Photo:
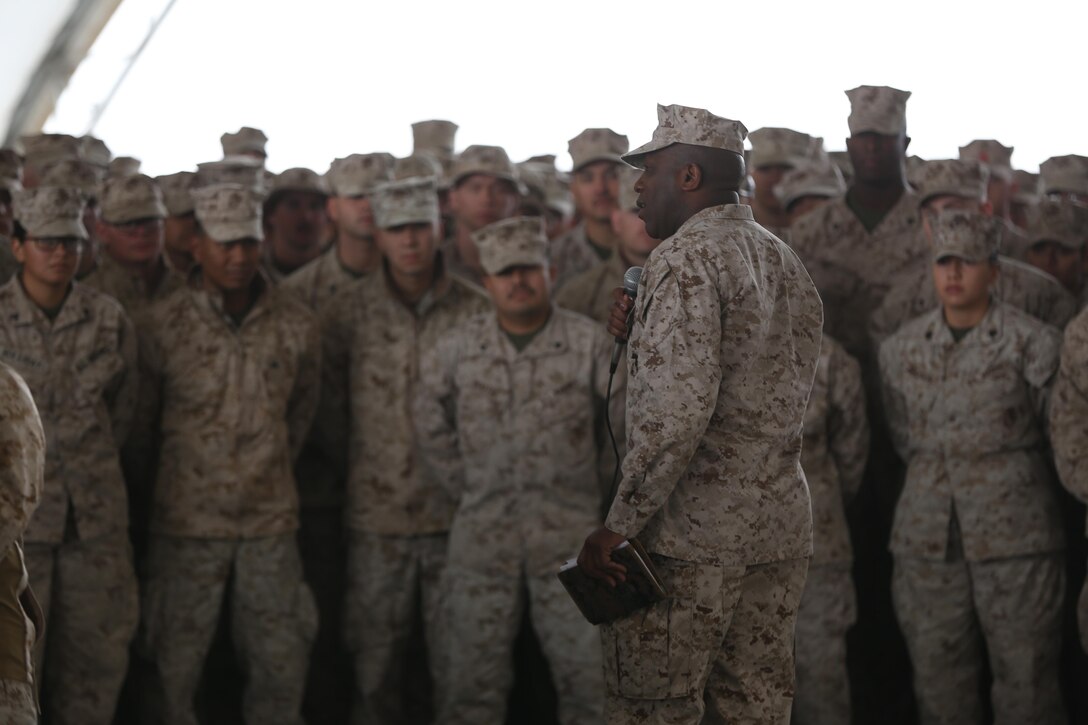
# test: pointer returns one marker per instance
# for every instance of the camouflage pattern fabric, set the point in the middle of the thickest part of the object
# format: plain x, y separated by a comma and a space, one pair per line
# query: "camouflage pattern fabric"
18, 705
385, 576
236, 405
948, 608
87, 590
273, 621
969, 420
571, 254
722, 645
828, 610
726, 320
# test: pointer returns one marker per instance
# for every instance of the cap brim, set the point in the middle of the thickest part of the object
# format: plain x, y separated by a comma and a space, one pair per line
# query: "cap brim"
233, 231
509, 262
59, 228
612, 158
634, 158
461, 176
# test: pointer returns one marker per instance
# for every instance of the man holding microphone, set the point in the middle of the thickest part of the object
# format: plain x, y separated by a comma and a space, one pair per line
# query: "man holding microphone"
724, 342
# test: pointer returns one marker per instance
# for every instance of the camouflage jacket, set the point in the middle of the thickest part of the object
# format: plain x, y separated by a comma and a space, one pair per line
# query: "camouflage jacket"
969, 420
589, 292
572, 254
836, 446
81, 369
512, 434
22, 458
1069, 410
319, 281
853, 269
373, 347
726, 337
235, 404
1020, 285
114, 280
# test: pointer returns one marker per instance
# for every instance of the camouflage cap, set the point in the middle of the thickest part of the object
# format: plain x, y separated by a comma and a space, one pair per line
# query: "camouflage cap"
877, 109
693, 126
75, 173
548, 159
228, 212
177, 192
123, 166
419, 165
243, 142
94, 151
969, 235
358, 174
412, 201
544, 182
966, 179
435, 137
128, 198
823, 180
51, 211
487, 160
299, 179
1058, 220
236, 170
1028, 187
518, 241
779, 147
11, 170
1065, 174
996, 156
43, 149
597, 144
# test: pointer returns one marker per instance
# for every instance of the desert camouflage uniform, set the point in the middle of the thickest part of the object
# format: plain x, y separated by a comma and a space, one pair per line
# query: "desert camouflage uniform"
721, 360
572, 253
1020, 285
512, 435
237, 400
82, 368
854, 269
977, 532
22, 468
114, 280
1068, 413
457, 267
398, 517
836, 445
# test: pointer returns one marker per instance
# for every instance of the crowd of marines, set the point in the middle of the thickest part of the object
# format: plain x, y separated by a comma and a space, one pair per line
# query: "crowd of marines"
363, 416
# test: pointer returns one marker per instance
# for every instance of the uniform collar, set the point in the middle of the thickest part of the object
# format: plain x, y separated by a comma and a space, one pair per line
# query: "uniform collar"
988, 331
550, 340
25, 311
739, 212
212, 301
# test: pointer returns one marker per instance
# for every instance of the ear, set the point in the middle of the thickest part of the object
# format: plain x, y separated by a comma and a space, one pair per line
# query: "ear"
553, 273
690, 177
331, 208
18, 250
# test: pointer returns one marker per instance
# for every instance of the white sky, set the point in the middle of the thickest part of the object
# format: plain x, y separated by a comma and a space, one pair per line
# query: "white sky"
325, 78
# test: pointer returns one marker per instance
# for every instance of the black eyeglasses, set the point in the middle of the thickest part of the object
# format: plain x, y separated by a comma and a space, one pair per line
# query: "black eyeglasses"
50, 244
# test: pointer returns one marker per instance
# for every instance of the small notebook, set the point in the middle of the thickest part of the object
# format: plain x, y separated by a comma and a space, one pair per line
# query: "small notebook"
600, 602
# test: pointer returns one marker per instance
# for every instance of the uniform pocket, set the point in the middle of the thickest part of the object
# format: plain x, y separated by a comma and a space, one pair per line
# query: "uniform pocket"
653, 654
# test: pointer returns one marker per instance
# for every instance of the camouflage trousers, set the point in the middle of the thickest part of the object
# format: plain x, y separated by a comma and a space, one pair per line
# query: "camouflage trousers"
388, 578
828, 609
948, 608
88, 592
482, 617
17, 703
721, 645
273, 621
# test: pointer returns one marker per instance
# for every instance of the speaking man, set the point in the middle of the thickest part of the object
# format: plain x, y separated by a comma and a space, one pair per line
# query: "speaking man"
725, 339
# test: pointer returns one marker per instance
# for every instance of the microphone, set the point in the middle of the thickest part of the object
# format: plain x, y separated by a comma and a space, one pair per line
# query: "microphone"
631, 279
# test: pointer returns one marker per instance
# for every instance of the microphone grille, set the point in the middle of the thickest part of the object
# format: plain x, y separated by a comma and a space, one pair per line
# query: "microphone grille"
631, 279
